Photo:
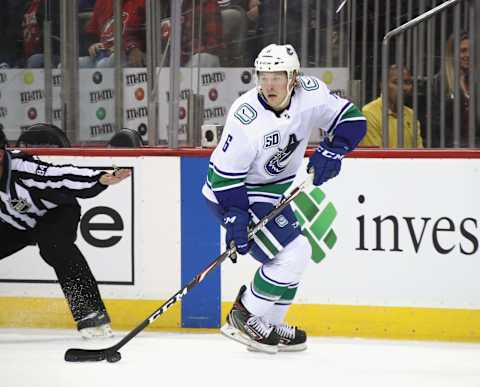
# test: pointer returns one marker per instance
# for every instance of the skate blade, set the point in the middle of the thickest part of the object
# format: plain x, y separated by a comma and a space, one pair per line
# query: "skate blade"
234, 334
100, 332
287, 348
292, 348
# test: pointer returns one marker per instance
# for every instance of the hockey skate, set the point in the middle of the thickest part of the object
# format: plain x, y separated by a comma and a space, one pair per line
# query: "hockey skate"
95, 325
250, 330
292, 339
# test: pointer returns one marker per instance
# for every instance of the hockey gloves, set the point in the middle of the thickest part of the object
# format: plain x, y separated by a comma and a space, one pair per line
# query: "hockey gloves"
326, 162
236, 222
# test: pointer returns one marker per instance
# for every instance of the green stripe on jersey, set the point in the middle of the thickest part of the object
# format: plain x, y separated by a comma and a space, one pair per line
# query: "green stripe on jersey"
351, 113
216, 181
278, 188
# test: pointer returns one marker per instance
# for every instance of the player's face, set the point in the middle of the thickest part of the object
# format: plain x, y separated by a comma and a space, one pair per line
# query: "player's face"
393, 83
274, 87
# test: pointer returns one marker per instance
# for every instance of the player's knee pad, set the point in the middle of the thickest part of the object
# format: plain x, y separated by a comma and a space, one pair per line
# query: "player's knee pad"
290, 263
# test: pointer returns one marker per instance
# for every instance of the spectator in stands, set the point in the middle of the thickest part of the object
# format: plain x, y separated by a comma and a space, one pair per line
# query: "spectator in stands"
85, 9
100, 30
449, 92
10, 21
205, 50
239, 19
86, 5
373, 113
253, 45
35, 13
270, 13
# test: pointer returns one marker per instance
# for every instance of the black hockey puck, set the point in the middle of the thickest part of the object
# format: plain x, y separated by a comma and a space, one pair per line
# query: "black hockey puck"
113, 357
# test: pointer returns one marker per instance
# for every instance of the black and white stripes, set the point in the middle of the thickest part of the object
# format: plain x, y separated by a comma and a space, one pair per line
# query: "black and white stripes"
29, 188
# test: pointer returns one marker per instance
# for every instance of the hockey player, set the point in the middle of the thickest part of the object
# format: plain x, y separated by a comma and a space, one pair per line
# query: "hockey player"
38, 206
261, 149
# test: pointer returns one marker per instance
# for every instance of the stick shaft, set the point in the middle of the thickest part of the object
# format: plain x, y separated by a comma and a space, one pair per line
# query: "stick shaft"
209, 268
76, 354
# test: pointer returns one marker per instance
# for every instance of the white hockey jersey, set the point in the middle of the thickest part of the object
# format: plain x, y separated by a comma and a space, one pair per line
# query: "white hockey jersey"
263, 150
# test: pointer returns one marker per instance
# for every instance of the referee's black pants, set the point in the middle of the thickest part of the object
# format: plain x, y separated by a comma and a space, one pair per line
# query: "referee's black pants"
55, 235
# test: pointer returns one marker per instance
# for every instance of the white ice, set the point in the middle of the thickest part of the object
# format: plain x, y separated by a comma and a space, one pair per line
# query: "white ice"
34, 358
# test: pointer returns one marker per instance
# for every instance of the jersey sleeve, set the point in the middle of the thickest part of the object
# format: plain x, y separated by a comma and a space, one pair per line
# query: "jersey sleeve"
333, 109
230, 163
342, 121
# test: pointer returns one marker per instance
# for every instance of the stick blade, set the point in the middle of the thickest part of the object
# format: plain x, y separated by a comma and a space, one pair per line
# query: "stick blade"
84, 355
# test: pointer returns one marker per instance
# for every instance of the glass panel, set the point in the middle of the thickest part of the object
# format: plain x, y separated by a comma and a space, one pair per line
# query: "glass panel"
112, 88
219, 42
29, 56
436, 57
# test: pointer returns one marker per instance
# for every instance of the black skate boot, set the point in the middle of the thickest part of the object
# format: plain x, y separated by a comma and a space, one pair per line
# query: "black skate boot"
95, 325
292, 339
250, 330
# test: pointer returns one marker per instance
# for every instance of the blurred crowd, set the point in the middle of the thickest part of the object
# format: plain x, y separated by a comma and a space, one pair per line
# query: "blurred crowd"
230, 33
222, 31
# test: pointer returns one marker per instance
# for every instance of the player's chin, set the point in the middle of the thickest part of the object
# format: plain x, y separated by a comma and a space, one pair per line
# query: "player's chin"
273, 101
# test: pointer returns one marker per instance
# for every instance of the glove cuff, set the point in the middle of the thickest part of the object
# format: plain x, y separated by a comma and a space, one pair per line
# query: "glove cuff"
334, 147
334, 153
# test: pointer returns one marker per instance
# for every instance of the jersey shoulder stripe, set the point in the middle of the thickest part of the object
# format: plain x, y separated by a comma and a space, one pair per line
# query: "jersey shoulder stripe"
340, 113
353, 113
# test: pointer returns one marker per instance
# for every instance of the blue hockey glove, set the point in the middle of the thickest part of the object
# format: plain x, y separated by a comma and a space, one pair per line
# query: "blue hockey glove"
236, 222
326, 162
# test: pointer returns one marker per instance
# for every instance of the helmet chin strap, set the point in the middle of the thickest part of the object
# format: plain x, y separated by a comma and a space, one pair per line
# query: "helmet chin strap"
286, 100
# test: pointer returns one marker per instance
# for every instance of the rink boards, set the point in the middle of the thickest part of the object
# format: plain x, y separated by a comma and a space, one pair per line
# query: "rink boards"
403, 262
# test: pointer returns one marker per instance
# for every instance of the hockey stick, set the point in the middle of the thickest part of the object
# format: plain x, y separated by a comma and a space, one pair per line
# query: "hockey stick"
111, 354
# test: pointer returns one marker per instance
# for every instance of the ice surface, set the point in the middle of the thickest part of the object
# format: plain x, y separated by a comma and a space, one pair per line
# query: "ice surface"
34, 358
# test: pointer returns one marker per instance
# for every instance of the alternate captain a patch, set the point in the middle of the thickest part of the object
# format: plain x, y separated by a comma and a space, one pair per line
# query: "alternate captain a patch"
279, 161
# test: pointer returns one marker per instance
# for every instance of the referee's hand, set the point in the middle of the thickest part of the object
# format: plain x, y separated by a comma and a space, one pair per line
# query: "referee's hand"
115, 177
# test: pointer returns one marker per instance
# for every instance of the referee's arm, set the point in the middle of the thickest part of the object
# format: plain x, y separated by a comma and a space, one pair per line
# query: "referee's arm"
80, 182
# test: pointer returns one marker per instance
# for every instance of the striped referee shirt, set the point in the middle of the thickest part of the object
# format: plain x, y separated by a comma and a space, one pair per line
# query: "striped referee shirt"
29, 188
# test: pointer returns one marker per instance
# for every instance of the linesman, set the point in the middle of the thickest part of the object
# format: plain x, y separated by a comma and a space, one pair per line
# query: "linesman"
39, 206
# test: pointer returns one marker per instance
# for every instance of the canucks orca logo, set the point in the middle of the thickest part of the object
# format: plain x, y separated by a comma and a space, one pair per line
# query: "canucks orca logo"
280, 160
